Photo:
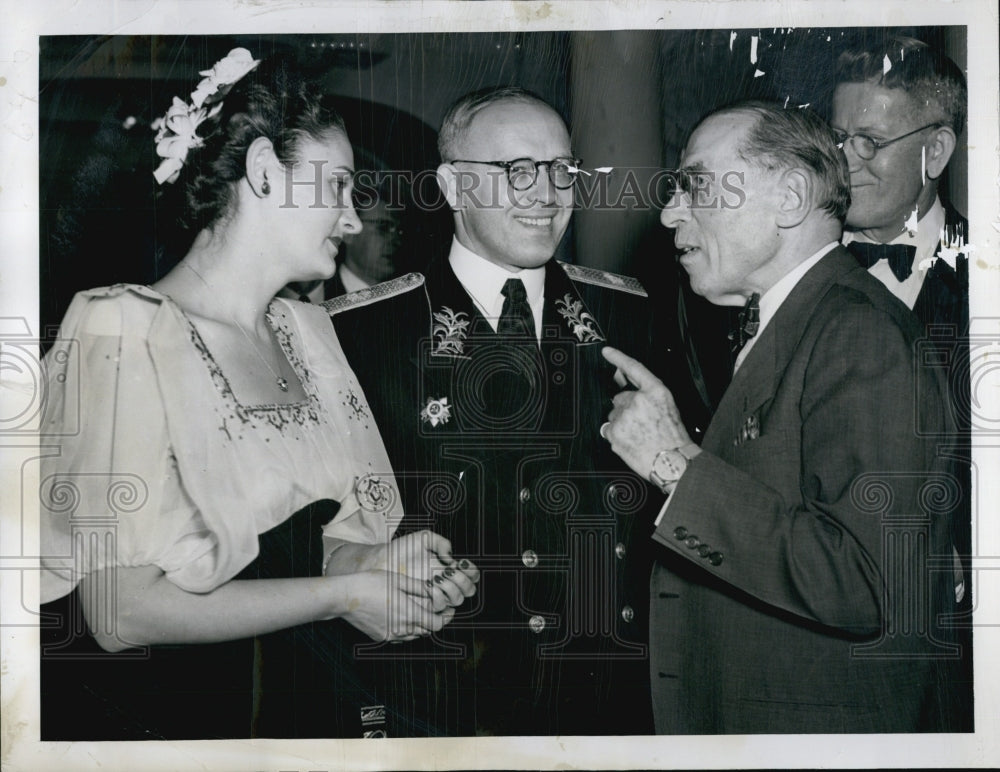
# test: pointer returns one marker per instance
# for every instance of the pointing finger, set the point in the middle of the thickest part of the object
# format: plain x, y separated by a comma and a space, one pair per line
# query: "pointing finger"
633, 370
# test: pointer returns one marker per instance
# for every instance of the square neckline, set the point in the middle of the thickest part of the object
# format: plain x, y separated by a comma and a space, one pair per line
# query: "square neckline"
284, 337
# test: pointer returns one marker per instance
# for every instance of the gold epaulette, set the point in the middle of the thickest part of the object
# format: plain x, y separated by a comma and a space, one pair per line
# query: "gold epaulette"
604, 279
364, 297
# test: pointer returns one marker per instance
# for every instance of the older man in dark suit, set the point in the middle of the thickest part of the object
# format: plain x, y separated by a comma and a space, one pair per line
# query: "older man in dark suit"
803, 558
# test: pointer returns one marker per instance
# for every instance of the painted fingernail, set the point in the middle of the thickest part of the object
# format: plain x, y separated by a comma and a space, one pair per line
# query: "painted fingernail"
437, 578
463, 563
428, 582
449, 571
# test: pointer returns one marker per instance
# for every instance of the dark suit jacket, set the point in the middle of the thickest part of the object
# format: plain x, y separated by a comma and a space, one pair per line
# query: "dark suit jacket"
804, 554
515, 474
944, 296
943, 308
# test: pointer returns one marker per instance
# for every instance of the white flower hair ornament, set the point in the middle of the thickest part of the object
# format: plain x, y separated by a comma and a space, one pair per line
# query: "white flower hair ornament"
176, 132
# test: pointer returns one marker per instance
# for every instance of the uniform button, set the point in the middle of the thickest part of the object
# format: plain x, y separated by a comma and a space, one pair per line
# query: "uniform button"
619, 550
703, 550
680, 532
692, 542
536, 624
628, 614
530, 559
715, 558
524, 495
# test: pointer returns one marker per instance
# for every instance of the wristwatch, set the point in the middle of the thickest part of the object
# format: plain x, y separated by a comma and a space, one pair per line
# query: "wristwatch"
669, 465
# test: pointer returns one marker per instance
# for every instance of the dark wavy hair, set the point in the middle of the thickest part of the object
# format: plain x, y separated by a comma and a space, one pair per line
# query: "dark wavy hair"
923, 72
272, 101
788, 138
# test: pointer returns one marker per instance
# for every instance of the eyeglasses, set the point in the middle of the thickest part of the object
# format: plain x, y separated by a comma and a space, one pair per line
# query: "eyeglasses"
866, 147
522, 172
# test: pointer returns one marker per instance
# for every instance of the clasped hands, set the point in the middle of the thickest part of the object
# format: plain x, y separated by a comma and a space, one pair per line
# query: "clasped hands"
407, 588
644, 419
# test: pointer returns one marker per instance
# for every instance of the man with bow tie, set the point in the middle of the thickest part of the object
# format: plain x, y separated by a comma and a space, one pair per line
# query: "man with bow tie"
898, 110
485, 377
798, 579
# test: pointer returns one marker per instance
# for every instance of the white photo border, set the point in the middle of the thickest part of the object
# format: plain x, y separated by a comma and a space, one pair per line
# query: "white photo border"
19, 285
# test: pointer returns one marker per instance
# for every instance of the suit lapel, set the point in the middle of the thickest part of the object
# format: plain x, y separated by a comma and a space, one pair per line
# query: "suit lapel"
757, 379
943, 297
942, 293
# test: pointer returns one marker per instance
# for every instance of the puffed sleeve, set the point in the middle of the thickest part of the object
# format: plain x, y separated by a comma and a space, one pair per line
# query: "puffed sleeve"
110, 490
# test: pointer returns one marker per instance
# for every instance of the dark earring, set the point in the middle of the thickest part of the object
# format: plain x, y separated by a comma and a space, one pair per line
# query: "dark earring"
265, 188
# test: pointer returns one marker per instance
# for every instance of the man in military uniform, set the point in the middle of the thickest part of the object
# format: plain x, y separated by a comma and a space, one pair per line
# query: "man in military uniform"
486, 380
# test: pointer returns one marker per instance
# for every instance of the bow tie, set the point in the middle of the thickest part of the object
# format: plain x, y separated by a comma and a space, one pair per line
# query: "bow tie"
900, 256
747, 324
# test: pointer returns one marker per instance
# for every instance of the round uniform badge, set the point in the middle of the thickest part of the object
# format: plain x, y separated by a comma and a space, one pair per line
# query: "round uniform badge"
374, 493
436, 412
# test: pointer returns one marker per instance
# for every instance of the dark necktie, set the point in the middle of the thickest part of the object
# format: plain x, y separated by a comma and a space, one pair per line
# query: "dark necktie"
900, 256
747, 324
511, 385
516, 319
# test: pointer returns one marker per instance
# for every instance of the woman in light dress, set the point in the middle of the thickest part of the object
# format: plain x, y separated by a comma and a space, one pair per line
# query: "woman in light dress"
205, 433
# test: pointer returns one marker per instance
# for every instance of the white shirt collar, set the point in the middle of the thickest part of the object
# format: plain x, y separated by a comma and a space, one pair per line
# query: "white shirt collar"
484, 280
351, 281
925, 238
771, 300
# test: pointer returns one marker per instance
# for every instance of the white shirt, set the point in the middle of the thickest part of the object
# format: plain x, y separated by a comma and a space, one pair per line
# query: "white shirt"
351, 281
925, 238
484, 281
771, 300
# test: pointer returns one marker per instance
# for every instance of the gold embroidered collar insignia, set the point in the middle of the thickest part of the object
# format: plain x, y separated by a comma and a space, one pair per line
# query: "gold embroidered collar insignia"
581, 323
449, 331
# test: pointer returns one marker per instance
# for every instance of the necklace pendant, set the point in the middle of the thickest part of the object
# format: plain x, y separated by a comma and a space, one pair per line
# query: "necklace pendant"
282, 383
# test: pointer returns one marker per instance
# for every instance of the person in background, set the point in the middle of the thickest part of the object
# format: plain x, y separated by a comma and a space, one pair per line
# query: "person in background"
368, 256
204, 444
793, 590
899, 109
376, 253
484, 375
373, 254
